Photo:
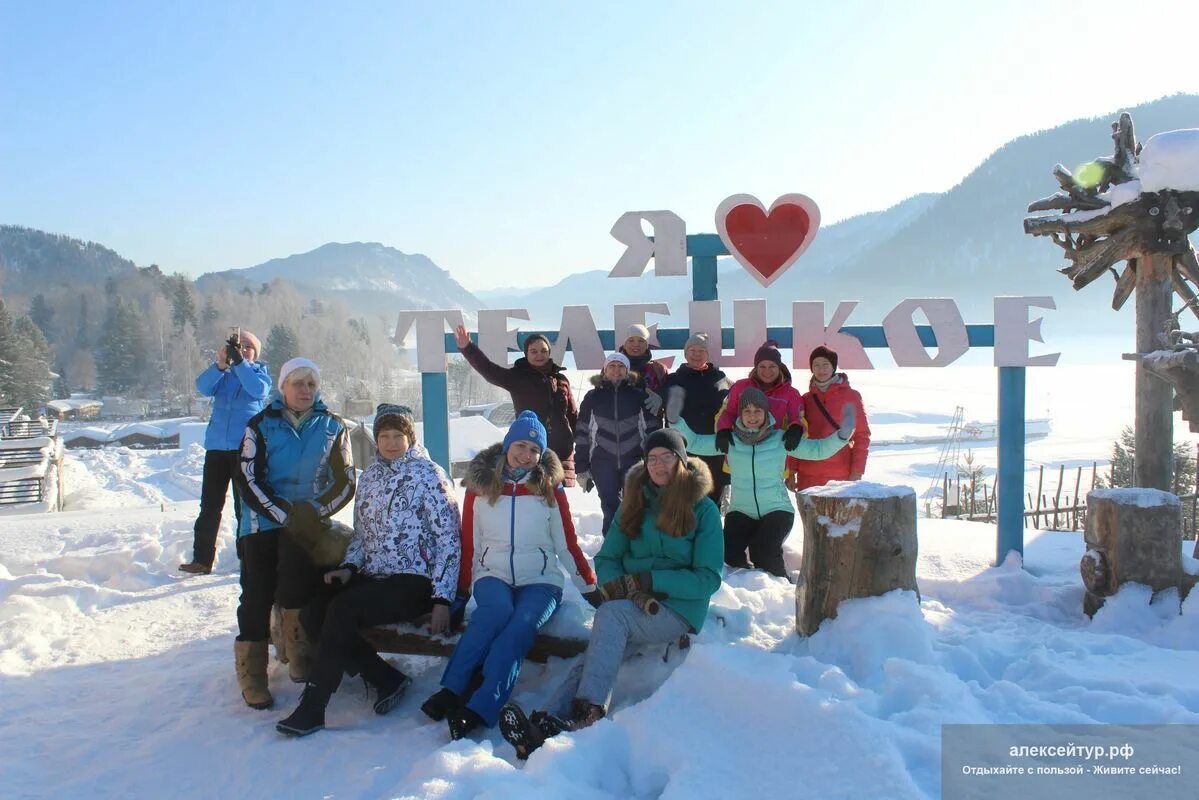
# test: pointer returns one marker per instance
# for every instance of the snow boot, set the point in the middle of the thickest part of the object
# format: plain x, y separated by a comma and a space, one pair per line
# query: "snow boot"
250, 660
462, 721
195, 568
583, 714
389, 683
519, 731
309, 717
300, 651
440, 704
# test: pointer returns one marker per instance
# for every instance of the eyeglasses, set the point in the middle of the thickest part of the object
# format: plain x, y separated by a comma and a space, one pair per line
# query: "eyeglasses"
666, 459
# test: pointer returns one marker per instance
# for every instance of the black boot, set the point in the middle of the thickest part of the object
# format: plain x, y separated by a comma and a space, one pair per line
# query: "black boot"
309, 717
519, 731
462, 721
440, 704
388, 682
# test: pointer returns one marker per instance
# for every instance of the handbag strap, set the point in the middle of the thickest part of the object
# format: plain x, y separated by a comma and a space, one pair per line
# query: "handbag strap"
824, 411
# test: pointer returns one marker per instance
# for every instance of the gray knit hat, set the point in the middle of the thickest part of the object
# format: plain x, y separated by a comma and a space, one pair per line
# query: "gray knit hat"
698, 340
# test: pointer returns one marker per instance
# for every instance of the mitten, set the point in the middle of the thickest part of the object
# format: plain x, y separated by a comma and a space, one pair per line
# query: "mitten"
653, 402
724, 439
849, 418
676, 396
585, 480
792, 437
595, 597
646, 602
625, 585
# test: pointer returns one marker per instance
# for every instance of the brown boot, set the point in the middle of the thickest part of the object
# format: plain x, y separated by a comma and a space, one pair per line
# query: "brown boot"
250, 660
584, 714
300, 651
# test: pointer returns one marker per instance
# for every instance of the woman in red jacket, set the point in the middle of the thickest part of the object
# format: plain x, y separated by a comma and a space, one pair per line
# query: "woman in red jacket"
827, 395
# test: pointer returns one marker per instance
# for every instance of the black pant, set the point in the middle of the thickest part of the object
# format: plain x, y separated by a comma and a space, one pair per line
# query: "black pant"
720, 478
219, 468
335, 617
764, 537
273, 569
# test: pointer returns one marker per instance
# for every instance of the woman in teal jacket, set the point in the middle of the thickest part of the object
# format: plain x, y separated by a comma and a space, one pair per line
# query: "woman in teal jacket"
760, 513
659, 567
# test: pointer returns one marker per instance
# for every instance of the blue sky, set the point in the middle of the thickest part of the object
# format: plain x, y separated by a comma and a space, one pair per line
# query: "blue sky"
504, 139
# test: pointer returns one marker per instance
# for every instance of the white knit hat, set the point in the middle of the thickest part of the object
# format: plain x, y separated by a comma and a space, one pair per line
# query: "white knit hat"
637, 330
294, 364
617, 358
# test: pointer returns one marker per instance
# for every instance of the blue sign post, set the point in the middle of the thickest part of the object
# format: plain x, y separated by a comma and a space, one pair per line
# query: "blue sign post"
703, 250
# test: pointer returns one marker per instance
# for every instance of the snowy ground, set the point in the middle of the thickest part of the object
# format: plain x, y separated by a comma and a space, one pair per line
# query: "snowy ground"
116, 675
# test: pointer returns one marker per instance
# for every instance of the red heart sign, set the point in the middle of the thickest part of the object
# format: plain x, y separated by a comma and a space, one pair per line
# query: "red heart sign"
765, 242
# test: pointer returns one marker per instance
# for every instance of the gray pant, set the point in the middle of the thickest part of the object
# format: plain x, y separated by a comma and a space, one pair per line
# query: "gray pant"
619, 628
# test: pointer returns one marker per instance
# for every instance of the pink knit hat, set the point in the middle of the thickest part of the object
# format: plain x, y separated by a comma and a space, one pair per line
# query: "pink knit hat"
252, 340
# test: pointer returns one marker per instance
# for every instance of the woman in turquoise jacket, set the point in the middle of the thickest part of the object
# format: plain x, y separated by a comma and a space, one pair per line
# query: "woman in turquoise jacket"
658, 567
760, 514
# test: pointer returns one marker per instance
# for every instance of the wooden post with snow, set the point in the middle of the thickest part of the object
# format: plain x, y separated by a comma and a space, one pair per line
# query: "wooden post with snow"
1153, 466
1132, 535
859, 541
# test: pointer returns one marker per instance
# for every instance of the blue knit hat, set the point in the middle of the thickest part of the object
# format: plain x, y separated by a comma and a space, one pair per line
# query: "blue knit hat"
526, 428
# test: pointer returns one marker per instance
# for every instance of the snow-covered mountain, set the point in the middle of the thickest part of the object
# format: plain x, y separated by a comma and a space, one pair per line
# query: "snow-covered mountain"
368, 276
32, 260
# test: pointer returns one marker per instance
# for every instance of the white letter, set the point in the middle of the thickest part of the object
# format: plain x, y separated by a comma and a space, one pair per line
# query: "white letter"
430, 335
494, 336
809, 332
749, 330
947, 325
668, 247
1013, 332
578, 330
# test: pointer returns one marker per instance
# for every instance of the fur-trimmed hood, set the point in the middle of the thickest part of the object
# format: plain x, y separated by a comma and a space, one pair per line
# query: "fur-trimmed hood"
484, 474
675, 504
631, 379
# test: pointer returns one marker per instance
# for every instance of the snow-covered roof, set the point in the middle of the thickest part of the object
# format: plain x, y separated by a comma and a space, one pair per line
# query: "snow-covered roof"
1170, 160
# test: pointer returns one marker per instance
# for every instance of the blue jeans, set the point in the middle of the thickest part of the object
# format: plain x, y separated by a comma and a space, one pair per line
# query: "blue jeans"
501, 631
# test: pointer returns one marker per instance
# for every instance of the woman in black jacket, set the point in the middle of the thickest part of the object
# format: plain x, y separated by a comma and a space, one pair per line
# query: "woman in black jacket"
706, 388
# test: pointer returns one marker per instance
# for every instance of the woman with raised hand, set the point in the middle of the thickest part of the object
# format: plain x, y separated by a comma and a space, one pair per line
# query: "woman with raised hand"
401, 563
760, 514
829, 393
659, 567
516, 530
613, 424
296, 472
535, 384
706, 387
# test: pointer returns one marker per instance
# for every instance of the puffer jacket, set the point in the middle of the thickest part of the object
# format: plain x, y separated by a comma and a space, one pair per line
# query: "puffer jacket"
613, 423
839, 466
546, 394
406, 522
786, 403
237, 394
519, 537
651, 374
688, 568
757, 469
282, 465
706, 390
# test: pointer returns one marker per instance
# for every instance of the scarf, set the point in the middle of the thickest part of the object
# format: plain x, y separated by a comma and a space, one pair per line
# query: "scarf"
295, 419
514, 474
746, 436
823, 385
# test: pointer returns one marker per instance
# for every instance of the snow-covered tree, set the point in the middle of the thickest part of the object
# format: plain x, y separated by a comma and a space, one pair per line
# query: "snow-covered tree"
281, 345
32, 380
121, 353
7, 353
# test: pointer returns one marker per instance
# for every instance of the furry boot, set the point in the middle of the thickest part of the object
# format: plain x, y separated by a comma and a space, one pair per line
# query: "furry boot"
309, 717
250, 660
300, 651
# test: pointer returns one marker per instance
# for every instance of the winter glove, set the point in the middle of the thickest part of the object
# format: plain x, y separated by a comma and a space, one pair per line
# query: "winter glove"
653, 402
595, 597
626, 585
676, 396
458, 609
303, 520
792, 437
647, 601
724, 438
849, 418
585, 480
233, 350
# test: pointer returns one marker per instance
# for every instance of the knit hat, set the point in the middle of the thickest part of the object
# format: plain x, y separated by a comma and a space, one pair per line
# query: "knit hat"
669, 438
823, 352
526, 428
617, 358
251, 339
537, 337
294, 364
698, 340
391, 415
768, 352
637, 330
753, 396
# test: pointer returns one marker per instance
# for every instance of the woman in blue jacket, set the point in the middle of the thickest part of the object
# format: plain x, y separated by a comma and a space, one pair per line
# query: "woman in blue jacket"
238, 385
295, 473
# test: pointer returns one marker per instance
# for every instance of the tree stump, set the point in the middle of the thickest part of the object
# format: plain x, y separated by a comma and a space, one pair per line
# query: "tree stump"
859, 541
1131, 535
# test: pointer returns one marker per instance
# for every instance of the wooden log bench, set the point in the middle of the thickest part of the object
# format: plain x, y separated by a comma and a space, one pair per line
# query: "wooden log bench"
859, 541
411, 640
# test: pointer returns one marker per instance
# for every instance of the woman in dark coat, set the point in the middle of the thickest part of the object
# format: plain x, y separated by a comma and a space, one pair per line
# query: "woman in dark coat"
706, 388
535, 384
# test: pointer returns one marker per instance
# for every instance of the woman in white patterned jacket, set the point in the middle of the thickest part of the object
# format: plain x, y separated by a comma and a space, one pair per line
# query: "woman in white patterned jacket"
402, 563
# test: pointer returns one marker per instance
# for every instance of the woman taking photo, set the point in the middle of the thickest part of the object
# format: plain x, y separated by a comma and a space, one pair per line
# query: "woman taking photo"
296, 472
666, 545
401, 563
516, 530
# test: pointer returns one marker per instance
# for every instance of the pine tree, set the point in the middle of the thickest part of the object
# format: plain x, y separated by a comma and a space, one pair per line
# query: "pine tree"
32, 380
82, 340
183, 308
1124, 452
121, 350
281, 345
8, 352
42, 315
